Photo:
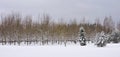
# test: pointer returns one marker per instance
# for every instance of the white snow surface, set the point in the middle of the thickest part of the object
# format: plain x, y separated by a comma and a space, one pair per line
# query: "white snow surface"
90, 50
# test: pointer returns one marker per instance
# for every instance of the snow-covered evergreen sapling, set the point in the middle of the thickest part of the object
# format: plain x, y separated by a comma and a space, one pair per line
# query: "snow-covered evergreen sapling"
101, 40
115, 36
82, 36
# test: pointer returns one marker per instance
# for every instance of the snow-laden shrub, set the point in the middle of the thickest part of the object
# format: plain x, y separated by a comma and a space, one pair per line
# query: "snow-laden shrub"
101, 39
115, 36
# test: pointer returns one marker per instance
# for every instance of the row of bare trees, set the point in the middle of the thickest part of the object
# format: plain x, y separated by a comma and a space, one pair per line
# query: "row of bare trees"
15, 28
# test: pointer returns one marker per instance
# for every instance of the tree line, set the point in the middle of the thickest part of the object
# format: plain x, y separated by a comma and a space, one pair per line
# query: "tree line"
15, 28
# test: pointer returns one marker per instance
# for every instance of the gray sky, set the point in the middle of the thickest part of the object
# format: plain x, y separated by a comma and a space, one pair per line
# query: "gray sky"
67, 9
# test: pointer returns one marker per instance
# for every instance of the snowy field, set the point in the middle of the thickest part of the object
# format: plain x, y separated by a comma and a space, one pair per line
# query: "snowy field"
111, 50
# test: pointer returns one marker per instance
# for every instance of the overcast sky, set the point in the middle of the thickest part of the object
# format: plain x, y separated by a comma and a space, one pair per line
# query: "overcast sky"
67, 9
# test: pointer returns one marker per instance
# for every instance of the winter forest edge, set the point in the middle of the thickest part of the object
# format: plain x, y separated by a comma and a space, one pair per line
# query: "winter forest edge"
15, 29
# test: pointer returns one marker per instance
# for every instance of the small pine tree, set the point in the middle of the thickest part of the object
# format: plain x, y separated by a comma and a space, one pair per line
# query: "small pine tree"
82, 36
101, 40
115, 36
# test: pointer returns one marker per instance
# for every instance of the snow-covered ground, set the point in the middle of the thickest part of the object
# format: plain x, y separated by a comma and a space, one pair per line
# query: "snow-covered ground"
111, 50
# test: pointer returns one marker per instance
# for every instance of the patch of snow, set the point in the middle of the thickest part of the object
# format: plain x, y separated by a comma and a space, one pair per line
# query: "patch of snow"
74, 50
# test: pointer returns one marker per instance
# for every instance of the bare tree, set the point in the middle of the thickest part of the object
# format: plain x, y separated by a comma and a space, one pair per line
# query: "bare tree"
118, 25
108, 24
